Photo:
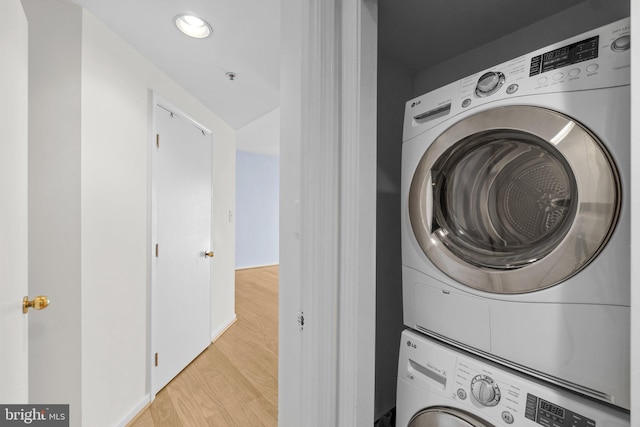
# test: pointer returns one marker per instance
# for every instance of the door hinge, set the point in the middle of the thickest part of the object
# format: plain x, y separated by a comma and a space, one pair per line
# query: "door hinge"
156, 359
157, 140
301, 320
157, 250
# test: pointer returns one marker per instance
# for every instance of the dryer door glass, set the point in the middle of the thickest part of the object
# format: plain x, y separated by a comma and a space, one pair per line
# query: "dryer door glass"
504, 198
514, 199
445, 417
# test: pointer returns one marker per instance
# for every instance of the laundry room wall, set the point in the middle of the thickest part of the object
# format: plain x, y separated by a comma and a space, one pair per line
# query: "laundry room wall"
568, 23
257, 213
395, 87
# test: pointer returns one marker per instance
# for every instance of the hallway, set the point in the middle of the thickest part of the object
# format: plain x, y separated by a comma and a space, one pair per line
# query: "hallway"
234, 382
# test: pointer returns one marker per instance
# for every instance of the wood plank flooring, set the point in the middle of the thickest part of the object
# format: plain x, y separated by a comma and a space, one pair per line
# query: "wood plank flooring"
234, 382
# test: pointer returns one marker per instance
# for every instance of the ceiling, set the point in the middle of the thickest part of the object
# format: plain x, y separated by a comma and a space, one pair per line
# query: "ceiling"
246, 41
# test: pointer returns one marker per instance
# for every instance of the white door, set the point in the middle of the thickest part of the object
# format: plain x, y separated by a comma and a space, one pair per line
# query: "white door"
13, 203
181, 279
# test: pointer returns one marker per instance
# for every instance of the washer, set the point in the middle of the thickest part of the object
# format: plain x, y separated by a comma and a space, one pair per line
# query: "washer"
439, 385
515, 235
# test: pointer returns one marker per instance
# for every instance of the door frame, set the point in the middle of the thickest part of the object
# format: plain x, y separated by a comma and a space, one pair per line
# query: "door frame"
14, 356
328, 213
635, 231
156, 99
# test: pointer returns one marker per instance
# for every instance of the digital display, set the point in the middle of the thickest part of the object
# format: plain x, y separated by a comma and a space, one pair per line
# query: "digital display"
551, 408
555, 56
567, 55
547, 414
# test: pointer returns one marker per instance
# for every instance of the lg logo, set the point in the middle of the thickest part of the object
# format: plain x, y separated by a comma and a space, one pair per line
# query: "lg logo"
414, 103
412, 345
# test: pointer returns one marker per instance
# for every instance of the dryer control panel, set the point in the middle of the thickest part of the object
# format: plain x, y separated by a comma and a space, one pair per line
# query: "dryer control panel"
590, 61
600, 58
584, 50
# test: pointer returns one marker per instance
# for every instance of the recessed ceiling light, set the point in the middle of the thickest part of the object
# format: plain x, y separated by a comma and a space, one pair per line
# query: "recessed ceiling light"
192, 26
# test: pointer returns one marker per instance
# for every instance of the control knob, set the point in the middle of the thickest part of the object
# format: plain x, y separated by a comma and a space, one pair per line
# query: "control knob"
485, 390
489, 83
621, 43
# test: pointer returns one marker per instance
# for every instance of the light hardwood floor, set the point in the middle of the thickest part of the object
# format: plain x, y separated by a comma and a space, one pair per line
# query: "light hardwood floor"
234, 382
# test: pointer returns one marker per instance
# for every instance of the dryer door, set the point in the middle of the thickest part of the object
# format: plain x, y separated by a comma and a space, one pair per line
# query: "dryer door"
514, 199
445, 417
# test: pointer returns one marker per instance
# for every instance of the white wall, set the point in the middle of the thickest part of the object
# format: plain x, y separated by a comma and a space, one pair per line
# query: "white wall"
93, 173
261, 136
115, 216
257, 213
13, 202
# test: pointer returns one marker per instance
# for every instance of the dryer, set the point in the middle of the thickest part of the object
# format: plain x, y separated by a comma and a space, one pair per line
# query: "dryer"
515, 208
439, 386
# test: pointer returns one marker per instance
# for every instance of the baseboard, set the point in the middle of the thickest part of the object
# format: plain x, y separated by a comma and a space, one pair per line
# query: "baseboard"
136, 411
221, 330
256, 266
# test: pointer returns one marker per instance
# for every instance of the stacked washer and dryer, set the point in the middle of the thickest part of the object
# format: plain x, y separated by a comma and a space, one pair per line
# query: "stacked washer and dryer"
515, 242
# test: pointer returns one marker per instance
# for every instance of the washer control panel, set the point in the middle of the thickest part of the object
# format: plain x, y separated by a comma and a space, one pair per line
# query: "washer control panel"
434, 373
549, 414
483, 386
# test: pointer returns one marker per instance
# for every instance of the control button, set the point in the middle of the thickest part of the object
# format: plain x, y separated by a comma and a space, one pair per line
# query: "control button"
462, 395
574, 72
512, 89
591, 68
507, 417
531, 407
466, 103
558, 76
542, 80
621, 44
489, 83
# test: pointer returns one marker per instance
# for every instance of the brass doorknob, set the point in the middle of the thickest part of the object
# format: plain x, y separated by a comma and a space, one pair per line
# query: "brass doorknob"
208, 254
38, 303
